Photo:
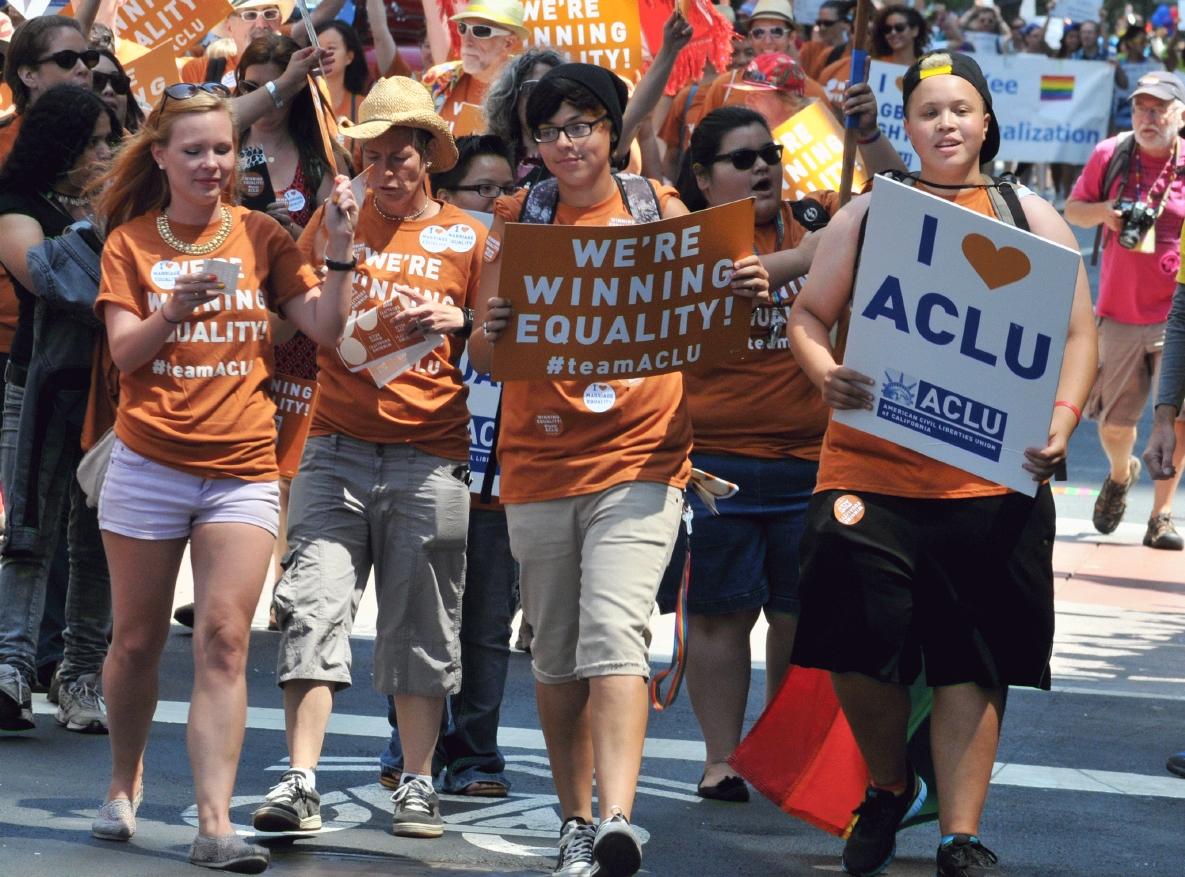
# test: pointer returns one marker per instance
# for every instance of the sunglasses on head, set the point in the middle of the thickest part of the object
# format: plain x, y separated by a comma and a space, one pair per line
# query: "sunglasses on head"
895, 28
759, 33
743, 159
481, 31
67, 58
119, 82
252, 15
528, 86
186, 90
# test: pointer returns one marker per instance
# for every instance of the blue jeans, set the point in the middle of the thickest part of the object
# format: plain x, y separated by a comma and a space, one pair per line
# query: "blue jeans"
468, 744
23, 580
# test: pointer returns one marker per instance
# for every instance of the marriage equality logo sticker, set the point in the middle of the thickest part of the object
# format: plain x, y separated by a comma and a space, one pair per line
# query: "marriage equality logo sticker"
961, 320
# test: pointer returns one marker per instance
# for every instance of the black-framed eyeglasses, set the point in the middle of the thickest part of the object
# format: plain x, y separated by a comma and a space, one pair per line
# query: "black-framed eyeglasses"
574, 131
186, 90
481, 31
67, 58
743, 159
488, 190
759, 33
894, 28
120, 83
253, 15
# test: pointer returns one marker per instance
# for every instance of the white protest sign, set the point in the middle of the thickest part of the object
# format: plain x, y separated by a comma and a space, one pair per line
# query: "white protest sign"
806, 12
967, 375
982, 43
1055, 29
1048, 109
484, 394
30, 8
1079, 10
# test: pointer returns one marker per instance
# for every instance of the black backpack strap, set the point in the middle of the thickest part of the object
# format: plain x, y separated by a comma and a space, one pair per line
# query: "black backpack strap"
1006, 202
215, 68
487, 479
639, 197
540, 203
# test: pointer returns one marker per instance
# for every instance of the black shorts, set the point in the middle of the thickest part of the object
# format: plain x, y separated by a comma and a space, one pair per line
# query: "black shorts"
965, 584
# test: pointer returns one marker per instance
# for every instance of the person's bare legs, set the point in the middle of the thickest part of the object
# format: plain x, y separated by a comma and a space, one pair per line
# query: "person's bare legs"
779, 644
567, 731
230, 563
964, 735
620, 708
1163, 491
878, 713
718, 673
308, 704
419, 725
1117, 442
143, 576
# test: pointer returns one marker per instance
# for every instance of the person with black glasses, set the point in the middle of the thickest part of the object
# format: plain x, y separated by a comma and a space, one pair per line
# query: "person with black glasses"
830, 38
114, 86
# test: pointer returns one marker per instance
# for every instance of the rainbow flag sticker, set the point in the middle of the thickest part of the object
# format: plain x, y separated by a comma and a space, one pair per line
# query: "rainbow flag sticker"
1057, 87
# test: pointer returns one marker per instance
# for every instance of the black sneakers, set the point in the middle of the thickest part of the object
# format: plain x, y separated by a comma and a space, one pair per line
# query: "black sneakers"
616, 850
962, 855
873, 840
293, 805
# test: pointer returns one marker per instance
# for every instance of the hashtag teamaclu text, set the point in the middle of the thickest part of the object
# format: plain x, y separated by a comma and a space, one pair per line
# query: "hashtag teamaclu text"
625, 301
235, 368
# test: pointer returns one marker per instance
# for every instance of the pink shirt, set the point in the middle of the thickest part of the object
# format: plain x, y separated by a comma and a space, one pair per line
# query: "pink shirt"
1137, 288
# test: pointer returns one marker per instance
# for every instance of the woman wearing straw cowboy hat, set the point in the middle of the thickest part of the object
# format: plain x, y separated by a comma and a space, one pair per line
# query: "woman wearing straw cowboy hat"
491, 32
383, 483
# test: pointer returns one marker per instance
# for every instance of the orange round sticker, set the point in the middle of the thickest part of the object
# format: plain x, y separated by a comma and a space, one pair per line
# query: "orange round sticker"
549, 423
849, 509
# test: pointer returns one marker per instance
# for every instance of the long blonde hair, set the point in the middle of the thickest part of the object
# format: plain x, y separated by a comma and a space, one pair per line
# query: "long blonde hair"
135, 185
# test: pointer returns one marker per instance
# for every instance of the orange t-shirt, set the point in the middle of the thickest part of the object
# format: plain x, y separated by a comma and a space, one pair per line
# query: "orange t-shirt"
684, 116
425, 406
467, 90
854, 460
195, 69
721, 92
765, 406
553, 445
201, 404
8, 302
835, 80
813, 57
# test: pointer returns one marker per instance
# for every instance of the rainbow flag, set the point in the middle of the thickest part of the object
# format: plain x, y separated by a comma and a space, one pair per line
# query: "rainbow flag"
1057, 87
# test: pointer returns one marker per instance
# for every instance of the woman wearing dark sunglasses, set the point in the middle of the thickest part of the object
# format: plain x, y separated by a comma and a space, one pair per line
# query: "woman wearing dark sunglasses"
112, 84
899, 35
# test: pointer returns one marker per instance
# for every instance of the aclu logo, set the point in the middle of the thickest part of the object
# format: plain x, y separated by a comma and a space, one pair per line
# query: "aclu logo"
942, 414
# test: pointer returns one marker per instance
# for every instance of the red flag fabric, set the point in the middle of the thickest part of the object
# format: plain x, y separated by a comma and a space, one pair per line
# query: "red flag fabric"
802, 756
710, 40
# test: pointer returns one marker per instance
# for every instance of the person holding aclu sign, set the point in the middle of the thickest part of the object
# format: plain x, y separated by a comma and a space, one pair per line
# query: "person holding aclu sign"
592, 477
384, 480
930, 556
187, 288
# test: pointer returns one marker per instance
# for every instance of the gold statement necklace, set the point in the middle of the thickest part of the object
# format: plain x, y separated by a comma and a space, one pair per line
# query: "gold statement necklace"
166, 233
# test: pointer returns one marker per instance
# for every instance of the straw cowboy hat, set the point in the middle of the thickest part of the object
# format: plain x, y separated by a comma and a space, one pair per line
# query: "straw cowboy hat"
401, 102
508, 13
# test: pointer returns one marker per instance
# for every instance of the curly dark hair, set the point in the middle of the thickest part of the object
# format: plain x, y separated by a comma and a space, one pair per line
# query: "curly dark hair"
357, 73
880, 46
54, 134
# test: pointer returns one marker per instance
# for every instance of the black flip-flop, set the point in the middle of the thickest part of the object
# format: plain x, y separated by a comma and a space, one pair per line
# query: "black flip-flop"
731, 790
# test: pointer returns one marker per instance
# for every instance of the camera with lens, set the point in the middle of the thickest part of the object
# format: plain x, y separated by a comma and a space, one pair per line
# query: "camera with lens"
1138, 217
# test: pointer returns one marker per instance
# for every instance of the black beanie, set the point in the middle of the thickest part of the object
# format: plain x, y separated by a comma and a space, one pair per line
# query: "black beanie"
606, 87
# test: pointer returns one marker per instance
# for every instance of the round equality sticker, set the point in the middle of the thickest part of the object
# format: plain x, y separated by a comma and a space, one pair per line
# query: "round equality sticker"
461, 238
549, 423
252, 184
434, 239
599, 398
849, 509
295, 199
165, 274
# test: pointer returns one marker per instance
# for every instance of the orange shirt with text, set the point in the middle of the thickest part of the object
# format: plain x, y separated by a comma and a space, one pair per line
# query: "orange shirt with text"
424, 406
854, 460
764, 406
201, 403
554, 445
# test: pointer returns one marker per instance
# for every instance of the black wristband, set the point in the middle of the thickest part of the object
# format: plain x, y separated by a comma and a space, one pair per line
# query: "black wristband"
167, 320
467, 327
333, 265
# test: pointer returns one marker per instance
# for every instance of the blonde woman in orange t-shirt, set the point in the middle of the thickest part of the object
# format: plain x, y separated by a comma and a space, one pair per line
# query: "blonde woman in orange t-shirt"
194, 461
592, 479
909, 560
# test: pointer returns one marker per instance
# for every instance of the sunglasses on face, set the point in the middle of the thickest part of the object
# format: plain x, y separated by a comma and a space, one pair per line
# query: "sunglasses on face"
246, 86
759, 33
119, 82
481, 31
895, 28
574, 131
67, 58
824, 22
186, 90
488, 190
253, 15
743, 159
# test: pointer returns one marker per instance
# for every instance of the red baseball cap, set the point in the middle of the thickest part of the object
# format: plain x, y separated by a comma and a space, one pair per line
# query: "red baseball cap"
773, 72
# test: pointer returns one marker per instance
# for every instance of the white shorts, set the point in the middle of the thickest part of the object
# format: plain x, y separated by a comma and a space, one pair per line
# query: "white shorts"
143, 499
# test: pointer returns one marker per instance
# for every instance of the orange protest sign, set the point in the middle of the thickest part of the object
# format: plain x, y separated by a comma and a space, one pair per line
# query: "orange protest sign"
152, 73
623, 301
295, 399
180, 22
469, 121
813, 154
607, 33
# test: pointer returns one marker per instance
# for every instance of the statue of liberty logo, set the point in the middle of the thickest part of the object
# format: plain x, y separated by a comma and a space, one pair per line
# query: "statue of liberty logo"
896, 389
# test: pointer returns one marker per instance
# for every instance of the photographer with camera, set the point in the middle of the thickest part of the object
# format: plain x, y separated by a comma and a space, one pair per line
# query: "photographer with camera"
1133, 186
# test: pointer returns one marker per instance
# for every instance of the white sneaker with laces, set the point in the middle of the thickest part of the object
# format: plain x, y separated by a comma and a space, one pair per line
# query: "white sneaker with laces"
576, 845
80, 708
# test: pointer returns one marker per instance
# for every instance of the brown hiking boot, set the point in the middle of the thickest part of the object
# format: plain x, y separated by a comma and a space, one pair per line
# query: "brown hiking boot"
1162, 534
1112, 501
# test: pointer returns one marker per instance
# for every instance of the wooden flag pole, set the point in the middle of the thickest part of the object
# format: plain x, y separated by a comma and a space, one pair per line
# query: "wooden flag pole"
322, 104
851, 123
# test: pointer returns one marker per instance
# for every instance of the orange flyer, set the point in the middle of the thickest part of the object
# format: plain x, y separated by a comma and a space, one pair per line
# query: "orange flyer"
373, 344
295, 399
